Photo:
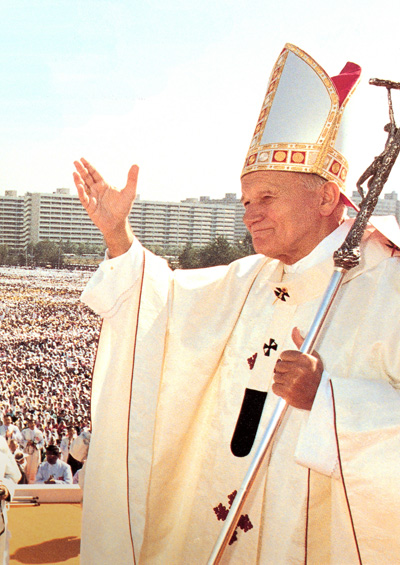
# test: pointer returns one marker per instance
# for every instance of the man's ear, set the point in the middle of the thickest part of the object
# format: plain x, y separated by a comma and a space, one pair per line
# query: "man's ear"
329, 193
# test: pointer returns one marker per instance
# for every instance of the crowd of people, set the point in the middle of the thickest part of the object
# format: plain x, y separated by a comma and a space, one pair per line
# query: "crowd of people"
48, 340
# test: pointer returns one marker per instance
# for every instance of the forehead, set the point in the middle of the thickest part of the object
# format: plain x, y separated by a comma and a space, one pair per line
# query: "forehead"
270, 181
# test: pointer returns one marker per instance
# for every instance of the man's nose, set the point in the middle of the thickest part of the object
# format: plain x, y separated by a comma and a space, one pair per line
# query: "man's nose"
252, 214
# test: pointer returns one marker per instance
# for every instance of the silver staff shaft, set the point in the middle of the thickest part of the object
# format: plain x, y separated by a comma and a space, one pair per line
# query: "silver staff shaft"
266, 442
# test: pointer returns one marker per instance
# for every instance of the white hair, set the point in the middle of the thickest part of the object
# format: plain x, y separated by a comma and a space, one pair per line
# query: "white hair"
312, 181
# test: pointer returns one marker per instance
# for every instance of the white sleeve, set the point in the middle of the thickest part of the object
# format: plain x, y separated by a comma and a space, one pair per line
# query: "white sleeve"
114, 281
317, 448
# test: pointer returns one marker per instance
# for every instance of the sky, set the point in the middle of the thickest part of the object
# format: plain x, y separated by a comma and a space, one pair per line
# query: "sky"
174, 86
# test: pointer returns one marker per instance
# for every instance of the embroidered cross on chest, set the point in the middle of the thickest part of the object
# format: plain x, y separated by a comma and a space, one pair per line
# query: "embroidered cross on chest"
244, 522
281, 294
272, 345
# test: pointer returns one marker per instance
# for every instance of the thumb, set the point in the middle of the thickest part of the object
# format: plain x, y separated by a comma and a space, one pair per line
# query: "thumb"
297, 337
299, 340
132, 180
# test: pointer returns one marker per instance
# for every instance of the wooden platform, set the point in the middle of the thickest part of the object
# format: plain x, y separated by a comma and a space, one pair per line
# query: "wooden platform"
45, 534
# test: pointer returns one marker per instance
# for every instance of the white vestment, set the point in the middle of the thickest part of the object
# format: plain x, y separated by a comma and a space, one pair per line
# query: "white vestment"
9, 476
33, 452
15, 432
178, 350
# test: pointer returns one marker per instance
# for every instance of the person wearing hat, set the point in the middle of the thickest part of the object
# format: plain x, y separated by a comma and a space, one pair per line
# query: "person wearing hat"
54, 471
191, 364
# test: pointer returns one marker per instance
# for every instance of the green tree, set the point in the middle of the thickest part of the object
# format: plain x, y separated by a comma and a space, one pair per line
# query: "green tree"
189, 258
48, 253
218, 252
245, 246
3, 254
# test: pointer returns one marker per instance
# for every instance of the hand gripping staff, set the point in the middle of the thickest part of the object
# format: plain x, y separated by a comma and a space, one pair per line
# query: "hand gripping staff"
345, 258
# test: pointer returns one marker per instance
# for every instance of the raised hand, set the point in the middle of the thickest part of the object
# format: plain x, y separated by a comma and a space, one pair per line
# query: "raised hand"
107, 206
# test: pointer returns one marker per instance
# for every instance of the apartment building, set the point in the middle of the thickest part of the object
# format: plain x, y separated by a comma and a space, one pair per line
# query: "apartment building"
175, 224
389, 205
11, 219
59, 216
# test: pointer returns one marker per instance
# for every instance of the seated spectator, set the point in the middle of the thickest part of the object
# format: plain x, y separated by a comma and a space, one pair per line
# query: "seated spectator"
53, 470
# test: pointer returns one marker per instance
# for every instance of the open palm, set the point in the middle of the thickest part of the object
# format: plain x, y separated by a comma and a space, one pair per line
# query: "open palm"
108, 207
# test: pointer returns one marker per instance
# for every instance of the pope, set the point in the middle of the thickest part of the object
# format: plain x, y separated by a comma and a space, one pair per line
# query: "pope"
191, 364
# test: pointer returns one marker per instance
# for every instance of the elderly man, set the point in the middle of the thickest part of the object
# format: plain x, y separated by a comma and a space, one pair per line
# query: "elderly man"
190, 364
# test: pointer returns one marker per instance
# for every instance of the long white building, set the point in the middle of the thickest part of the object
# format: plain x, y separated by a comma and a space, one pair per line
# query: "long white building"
389, 205
59, 216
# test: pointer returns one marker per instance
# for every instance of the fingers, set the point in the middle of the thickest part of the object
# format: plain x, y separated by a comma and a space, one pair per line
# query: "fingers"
91, 171
80, 187
131, 184
87, 178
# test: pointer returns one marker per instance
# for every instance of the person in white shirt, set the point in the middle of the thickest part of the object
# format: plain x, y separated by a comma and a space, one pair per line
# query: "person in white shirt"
32, 443
10, 430
66, 443
53, 471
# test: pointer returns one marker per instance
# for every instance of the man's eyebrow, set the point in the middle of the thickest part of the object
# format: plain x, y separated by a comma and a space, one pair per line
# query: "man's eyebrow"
264, 192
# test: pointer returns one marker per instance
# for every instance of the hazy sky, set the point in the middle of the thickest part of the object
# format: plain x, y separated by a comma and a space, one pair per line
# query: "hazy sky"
172, 85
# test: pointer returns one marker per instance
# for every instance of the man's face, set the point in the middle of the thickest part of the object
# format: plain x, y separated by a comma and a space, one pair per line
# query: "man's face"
7, 420
51, 457
31, 424
281, 215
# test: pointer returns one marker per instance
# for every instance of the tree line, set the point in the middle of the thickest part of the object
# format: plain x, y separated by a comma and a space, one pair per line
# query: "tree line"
48, 253
59, 254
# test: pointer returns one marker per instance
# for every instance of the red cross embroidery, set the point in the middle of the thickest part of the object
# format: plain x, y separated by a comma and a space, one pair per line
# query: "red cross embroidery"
244, 521
252, 361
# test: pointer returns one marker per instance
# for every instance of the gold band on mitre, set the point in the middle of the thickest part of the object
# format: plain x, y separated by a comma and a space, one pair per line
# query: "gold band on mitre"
300, 118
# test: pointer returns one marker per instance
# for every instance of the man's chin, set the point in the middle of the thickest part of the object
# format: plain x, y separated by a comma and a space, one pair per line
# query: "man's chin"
260, 247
